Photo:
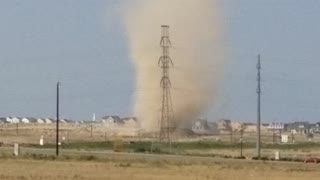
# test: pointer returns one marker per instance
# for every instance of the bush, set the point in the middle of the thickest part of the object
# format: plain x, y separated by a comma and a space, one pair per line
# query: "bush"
88, 158
140, 150
239, 157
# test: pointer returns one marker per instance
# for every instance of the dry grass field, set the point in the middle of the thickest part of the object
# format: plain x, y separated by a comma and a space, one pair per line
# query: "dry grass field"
31, 133
188, 169
85, 136
140, 166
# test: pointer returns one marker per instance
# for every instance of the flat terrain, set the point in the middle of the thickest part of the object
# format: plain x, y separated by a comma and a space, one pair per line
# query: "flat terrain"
95, 137
156, 169
87, 153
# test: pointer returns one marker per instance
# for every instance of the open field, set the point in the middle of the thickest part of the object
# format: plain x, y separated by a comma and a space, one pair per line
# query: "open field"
94, 138
83, 156
31, 133
202, 149
156, 168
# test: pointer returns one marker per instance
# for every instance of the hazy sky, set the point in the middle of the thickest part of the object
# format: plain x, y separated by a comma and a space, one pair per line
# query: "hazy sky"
82, 44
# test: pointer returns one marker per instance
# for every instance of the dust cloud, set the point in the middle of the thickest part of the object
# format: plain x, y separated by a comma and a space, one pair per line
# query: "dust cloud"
197, 54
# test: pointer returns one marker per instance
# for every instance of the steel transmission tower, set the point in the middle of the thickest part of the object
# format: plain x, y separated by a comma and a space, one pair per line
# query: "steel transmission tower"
166, 122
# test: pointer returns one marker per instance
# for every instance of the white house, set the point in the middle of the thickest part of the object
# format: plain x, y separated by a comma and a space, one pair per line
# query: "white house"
111, 121
275, 126
199, 125
12, 120
202, 126
40, 121
48, 121
224, 125
130, 122
25, 120
236, 126
250, 127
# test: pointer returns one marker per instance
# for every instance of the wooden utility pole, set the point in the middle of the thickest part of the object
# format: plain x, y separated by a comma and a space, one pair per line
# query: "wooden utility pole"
57, 129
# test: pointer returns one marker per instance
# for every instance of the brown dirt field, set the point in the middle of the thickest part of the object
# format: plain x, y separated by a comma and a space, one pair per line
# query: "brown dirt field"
31, 133
156, 170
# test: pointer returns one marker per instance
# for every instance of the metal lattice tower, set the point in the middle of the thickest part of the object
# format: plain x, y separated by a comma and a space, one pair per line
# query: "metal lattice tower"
166, 122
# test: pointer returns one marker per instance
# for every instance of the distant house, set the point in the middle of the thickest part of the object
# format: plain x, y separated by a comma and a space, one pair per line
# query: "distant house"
236, 126
201, 126
299, 127
32, 120
130, 122
25, 120
315, 128
264, 127
48, 121
250, 127
81, 122
224, 125
69, 121
12, 120
40, 121
112, 121
274, 126
213, 126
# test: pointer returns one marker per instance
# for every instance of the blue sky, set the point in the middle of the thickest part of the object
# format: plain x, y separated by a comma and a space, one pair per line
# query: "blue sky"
82, 44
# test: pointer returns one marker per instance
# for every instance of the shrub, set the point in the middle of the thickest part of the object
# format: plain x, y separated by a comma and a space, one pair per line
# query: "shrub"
140, 150
88, 158
240, 157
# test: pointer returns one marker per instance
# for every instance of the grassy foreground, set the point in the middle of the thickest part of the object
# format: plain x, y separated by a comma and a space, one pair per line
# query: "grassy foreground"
156, 168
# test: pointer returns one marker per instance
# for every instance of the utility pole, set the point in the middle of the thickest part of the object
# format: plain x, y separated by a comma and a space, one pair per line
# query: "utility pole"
292, 137
91, 130
273, 137
241, 141
17, 128
57, 130
259, 109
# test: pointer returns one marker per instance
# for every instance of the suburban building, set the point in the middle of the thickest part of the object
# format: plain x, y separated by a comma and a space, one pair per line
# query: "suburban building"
12, 120
236, 126
250, 127
224, 125
315, 128
25, 120
275, 126
299, 127
130, 122
203, 127
40, 121
48, 121
112, 121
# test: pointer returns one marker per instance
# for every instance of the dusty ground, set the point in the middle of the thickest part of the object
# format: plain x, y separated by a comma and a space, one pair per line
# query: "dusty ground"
249, 153
31, 133
188, 169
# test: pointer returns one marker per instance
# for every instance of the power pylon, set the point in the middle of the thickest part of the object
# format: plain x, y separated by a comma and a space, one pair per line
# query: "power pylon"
166, 121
